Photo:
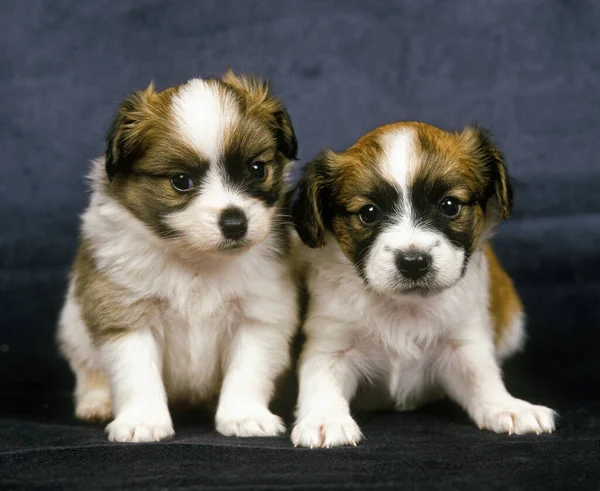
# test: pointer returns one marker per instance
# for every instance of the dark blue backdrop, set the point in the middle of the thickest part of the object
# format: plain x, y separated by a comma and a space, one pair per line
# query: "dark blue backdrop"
526, 70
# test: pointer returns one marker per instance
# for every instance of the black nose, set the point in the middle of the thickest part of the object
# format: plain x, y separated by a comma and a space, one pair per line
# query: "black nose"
413, 265
233, 223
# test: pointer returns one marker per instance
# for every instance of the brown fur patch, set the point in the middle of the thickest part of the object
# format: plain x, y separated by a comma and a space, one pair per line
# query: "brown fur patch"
445, 157
505, 303
104, 308
259, 100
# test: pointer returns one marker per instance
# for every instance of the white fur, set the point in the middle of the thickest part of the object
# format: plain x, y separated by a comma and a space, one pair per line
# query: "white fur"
215, 320
203, 113
133, 364
199, 221
402, 236
400, 159
407, 350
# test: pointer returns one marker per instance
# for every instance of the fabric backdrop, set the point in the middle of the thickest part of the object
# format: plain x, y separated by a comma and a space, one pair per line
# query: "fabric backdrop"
528, 70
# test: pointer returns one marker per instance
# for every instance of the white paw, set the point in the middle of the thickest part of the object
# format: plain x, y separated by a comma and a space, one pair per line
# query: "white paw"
247, 423
127, 429
515, 416
94, 405
326, 432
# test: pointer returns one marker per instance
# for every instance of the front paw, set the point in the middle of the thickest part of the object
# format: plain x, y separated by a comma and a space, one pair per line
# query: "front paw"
133, 429
515, 416
249, 422
326, 432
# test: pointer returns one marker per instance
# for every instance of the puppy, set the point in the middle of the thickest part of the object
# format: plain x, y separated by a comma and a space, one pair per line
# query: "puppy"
182, 288
406, 296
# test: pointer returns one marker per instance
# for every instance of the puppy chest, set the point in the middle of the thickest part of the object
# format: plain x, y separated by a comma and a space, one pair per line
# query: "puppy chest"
405, 344
195, 350
407, 371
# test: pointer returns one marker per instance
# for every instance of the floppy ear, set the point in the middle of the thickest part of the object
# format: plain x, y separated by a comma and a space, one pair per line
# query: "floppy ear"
124, 142
499, 192
307, 207
259, 98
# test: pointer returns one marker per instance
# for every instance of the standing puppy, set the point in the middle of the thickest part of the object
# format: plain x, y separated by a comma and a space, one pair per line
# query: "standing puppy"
182, 288
406, 296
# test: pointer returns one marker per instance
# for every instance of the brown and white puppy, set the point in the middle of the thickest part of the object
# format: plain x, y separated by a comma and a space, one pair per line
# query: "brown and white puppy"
406, 296
182, 287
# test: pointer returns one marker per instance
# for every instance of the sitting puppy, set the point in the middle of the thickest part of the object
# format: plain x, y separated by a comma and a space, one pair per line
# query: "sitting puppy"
406, 296
182, 287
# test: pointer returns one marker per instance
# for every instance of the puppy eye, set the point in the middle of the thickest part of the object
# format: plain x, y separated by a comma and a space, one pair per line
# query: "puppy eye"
369, 214
182, 182
259, 169
450, 207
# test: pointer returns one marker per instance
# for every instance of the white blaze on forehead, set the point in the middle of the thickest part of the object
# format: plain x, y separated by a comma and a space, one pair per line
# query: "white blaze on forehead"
399, 160
204, 114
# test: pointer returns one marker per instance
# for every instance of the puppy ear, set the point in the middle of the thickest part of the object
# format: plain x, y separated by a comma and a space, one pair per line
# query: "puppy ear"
258, 97
499, 192
124, 142
307, 207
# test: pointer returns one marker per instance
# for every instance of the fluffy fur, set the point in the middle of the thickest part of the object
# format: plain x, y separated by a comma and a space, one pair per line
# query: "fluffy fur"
407, 301
174, 296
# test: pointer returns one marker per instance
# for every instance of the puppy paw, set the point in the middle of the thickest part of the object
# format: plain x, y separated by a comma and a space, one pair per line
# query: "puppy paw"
128, 430
248, 423
94, 406
515, 416
326, 432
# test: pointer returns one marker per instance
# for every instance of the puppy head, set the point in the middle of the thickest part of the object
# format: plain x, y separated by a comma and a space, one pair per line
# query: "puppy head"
202, 164
408, 204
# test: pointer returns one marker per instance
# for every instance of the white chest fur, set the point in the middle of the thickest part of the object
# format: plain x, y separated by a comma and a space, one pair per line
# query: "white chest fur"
397, 341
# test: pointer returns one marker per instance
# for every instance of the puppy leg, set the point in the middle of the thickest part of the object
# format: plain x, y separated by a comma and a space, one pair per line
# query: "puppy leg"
259, 354
92, 395
134, 365
470, 374
328, 377
92, 392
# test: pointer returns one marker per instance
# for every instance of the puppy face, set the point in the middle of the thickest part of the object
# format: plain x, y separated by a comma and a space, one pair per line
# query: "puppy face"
408, 204
202, 164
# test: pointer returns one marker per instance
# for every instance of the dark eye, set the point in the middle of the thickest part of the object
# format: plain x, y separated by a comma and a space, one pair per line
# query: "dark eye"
450, 207
259, 169
369, 214
182, 182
